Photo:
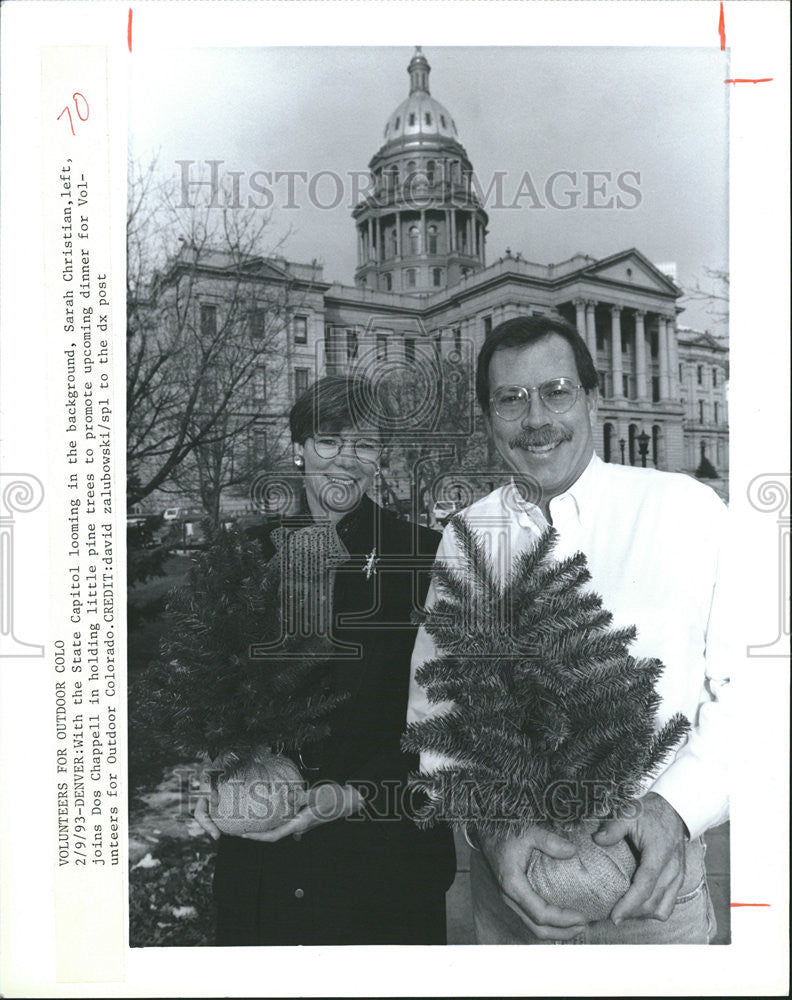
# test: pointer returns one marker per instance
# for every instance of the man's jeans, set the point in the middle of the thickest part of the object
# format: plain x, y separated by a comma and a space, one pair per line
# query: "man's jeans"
691, 922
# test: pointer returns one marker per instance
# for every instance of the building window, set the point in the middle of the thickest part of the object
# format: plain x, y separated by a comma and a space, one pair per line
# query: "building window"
409, 349
257, 444
257, 324
430, 172
680, 372
714, 378
300, 329
427, 118
208, 321
700, 374
397, 123
654, 344
715, 413
625, 342
601, 342
607, 441
260, 383
632, 439
701, 411
415, 240
432, 239
442, 121
437, 276
655, 388
351, 344
411, 275
656, 445
382, 347
412, 118
487, 325
300, 381
394, 242
388, 282
458, 340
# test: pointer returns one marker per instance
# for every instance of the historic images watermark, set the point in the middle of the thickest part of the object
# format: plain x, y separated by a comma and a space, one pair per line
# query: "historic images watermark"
209, 184
770, 493
20, 493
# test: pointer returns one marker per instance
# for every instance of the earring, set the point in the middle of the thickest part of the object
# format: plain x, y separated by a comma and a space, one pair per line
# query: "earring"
298, 461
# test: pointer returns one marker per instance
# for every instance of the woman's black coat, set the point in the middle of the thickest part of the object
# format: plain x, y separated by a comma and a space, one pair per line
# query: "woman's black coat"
375, 878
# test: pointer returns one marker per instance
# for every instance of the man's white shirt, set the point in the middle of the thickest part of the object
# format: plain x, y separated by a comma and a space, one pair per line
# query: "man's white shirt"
653, 541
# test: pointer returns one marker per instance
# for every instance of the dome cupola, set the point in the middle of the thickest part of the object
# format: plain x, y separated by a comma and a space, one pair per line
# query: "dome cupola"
422, 228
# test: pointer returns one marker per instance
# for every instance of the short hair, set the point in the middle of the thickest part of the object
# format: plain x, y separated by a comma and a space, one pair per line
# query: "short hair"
334, 403
527, 330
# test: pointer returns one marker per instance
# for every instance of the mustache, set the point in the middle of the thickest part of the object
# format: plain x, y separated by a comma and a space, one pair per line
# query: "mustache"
538, 439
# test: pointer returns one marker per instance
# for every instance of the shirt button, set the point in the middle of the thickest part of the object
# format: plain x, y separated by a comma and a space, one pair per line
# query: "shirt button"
298, 893
297, 836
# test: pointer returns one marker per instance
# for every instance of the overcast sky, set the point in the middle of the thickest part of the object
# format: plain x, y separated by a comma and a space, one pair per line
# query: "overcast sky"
659, 113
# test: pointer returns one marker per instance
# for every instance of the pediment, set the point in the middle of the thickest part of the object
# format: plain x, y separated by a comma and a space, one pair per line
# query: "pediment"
633, 269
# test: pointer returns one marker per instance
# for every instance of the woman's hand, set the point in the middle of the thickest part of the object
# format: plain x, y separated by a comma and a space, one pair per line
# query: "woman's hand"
202, 817
325, 803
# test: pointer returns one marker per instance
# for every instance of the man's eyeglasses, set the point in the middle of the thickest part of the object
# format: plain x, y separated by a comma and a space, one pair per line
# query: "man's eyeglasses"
511, 402
366, 449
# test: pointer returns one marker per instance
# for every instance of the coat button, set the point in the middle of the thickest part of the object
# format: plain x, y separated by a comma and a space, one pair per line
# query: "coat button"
298, 893
297, 836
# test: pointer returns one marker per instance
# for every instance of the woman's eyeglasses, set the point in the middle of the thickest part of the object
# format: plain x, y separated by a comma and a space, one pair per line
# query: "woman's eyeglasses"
366, 449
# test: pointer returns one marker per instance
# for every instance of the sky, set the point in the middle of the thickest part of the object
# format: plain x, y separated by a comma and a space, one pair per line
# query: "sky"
657, 118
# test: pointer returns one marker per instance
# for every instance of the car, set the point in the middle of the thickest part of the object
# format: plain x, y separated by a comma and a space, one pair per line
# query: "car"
175, 513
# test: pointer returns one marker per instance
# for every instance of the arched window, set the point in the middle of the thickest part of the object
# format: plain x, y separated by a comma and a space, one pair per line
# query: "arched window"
437, 276
415, 240
432, 239
410, 275
388, 283
607, 441
701, 411
430, 171
632, 435
656, 436
394, 242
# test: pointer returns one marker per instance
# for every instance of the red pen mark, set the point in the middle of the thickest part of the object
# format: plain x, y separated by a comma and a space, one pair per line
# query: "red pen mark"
129, 30
763, 79
66, 110
722, 28
749, 904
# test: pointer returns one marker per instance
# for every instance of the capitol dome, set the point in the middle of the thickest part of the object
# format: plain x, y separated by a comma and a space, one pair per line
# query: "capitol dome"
420, 116
421, 226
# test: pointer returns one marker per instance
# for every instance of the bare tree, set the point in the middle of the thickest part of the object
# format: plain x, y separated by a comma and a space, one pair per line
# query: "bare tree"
714, 292
207, 331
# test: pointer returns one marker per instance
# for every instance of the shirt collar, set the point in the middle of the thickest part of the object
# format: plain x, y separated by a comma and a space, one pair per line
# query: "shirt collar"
579, 497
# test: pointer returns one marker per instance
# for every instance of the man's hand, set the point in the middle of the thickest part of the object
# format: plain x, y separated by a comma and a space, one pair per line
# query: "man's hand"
325, 803
509, 859
660, 835
202, 817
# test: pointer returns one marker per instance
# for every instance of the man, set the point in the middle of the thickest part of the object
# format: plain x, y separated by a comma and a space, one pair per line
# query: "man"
652, 543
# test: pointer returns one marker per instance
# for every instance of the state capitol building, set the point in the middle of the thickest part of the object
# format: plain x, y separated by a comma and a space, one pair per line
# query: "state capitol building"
425, 297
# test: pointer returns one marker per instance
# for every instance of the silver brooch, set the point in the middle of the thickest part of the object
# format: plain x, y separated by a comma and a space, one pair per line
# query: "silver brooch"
371, 564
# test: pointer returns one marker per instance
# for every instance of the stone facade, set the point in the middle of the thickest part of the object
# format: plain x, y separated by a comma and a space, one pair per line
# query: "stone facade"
424, 295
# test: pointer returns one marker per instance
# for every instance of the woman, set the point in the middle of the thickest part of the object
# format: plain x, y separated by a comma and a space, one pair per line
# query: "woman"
351, 867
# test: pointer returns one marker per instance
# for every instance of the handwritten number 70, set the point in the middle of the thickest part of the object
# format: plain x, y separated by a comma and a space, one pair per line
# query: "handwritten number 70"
67, 110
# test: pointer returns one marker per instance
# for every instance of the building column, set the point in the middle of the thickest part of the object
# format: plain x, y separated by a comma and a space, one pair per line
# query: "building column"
641, 373
580, 317
673, 359
662, 350
616, 352
371, 239
591, 329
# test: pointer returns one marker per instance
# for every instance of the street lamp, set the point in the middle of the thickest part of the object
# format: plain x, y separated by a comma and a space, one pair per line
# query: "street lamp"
643, 447
621, 446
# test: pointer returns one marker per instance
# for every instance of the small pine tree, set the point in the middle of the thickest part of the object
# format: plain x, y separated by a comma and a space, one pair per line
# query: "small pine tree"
229, 681
553, 720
